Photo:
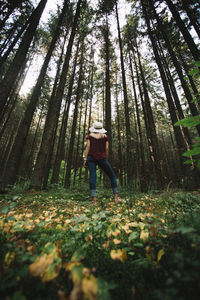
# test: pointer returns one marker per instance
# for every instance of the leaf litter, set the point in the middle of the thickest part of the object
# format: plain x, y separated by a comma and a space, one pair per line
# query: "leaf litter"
90, 252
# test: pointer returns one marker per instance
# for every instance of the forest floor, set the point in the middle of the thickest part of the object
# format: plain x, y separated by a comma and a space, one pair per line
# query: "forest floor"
58, 245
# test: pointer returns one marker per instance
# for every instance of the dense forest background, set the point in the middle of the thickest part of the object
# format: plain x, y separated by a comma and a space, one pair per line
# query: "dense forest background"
139, 79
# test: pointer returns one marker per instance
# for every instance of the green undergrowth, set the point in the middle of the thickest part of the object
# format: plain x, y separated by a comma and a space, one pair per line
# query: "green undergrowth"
57, 244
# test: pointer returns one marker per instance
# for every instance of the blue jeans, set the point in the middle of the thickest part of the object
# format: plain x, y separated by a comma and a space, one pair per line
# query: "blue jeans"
105, 166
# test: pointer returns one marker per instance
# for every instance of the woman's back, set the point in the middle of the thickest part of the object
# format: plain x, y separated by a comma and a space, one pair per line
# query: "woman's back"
97, 145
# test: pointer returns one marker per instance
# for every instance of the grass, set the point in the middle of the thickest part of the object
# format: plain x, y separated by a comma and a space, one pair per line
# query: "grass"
58, 245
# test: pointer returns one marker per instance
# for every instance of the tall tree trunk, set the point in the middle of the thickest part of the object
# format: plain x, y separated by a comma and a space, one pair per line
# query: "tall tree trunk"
90, 108
177, 131
20, 56
16, 154
49, 158
12, 45
33, 144
76, 154
192, 83
61, 141
90, 78
8, 38
148, 135
143, 171
83, 138
107, 88
14, 95
193, 20
74, 124
10, 10
54, 110
151, 124
186, 89
187, 36
179, 111
119, 145
129, 163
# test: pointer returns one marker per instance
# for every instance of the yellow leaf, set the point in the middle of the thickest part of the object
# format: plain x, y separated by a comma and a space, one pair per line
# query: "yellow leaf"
52, 271
77, 274
9, 258
133, 224
86, 272
144, 234
59, 226
141, 216
48, 265
67, 221
126, 228
161, 252
90, 287
114, 233
116, 241
39, 266
193, 245
141, 225
164, 235
68, 266
106, 245
119, 254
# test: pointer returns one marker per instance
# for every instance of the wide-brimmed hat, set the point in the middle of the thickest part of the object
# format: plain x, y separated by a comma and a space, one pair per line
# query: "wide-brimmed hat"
97, 128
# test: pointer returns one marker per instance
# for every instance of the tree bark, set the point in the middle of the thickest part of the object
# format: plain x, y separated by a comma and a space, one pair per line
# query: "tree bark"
177, 131
12, 45
76, 156
193, 20
129, 164
187, 36
15, 67
107, 88
142, 171
89, 87
153, 134
75, 116
118, 134
54, 110
61, 141
16, 154
186, 89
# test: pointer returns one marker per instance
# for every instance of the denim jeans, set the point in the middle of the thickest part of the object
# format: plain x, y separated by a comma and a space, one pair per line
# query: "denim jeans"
105, 166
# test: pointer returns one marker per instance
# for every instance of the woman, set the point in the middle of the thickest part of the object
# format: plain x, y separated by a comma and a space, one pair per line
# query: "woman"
96, 153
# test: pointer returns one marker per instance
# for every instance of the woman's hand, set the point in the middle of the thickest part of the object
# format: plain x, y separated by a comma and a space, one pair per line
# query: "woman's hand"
85, 163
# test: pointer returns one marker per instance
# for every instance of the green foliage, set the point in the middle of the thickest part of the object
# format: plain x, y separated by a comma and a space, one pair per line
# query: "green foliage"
147, 249
192, 122
189, 122
106, 6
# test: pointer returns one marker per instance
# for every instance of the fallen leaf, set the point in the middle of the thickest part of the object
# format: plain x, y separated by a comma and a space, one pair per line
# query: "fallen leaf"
39, 266
116, 241
161, 252
114, 233
90, 287
48, 265
144, 234
106, 245
9, 258
119, 254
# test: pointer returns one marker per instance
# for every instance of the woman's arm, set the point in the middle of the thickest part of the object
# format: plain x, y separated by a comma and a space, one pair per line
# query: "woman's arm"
86, 152
107, 148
